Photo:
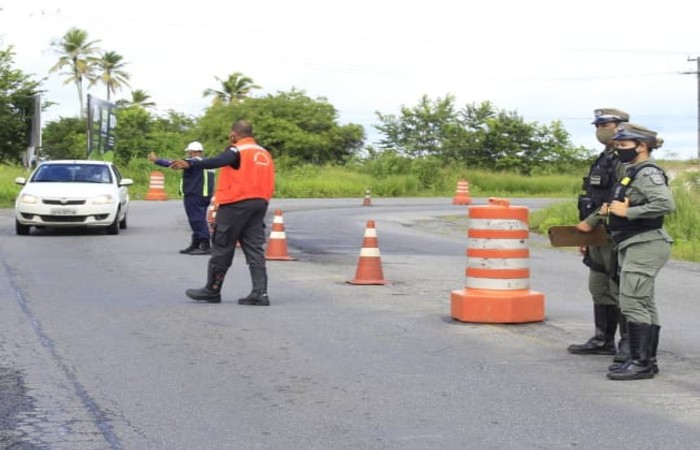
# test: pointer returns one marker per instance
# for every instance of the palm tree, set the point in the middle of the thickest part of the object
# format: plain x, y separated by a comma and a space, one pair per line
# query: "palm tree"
75, 52
138, 98
110, 70
235, 89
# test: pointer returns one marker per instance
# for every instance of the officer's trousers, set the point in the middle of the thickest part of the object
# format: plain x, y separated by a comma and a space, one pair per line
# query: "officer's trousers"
196, 210
640, 263
244, 222
602, 287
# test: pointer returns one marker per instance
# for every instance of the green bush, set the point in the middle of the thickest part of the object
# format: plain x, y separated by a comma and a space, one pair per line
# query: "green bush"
8, 188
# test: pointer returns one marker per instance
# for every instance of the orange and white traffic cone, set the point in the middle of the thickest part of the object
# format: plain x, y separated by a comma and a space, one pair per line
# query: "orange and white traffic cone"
368, 198
462, 196
369, 264
277, 244
156, 187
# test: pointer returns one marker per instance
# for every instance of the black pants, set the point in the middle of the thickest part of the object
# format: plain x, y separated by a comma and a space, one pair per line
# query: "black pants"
242, 221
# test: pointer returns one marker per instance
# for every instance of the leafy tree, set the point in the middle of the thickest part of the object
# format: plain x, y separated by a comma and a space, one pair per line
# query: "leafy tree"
235, 88
16, 107
289, 124
139, 132
109, 69
76, 54
170, 134
421, 130
138, 98
478, 135
133, 138
65, 138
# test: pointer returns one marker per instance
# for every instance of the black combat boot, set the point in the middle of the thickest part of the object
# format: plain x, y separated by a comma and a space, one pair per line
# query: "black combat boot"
258, 295
203, 248
212, 291
603, 343
188, 250
623, 346
637, 367
653, 347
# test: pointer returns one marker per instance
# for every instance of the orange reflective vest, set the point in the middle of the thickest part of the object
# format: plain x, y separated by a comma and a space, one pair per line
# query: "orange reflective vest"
254, 178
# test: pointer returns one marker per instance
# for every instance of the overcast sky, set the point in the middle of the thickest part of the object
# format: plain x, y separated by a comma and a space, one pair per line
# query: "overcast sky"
547, 60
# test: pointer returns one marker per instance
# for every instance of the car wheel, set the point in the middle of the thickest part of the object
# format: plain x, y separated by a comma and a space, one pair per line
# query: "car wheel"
21, 230
122, 224
113, 228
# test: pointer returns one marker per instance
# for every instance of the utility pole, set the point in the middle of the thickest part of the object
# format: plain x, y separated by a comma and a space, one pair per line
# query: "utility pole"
697, 72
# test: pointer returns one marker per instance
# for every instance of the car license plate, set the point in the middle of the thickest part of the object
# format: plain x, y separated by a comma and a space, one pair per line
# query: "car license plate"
63, 211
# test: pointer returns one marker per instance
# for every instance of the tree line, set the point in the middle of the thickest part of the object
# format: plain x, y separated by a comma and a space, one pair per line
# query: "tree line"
295, 127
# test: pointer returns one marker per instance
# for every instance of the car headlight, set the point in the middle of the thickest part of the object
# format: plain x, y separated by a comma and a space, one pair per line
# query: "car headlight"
29, 199
103, 200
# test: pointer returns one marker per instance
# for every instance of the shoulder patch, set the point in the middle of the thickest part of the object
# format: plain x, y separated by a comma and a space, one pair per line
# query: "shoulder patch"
655, 175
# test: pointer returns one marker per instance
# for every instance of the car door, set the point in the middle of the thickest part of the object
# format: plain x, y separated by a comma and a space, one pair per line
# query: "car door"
123, 191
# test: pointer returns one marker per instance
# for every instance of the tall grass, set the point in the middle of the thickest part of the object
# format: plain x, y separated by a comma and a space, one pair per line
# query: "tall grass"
484, 183
8, 188
307, 181
683, 224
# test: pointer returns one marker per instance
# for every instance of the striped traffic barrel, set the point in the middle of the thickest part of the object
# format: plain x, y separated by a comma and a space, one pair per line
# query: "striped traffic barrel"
462, 196
156, 187
498, 270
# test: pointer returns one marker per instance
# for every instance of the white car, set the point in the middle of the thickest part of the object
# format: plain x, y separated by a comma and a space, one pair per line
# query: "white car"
75, 193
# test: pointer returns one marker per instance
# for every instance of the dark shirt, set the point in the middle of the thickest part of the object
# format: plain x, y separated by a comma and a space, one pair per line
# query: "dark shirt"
194, 178
229, 157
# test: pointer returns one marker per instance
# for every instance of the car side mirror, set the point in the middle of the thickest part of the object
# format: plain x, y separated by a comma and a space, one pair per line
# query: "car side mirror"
126, 182
21, 181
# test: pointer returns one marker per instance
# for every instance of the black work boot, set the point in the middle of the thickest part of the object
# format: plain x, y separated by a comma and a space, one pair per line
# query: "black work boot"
623, 346
653, 347
212, 291
188, 250
637, 367
258, 295
203, 248
603, 342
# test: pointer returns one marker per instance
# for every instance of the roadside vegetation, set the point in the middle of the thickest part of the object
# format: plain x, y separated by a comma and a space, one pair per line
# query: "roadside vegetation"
683, 225
424, 149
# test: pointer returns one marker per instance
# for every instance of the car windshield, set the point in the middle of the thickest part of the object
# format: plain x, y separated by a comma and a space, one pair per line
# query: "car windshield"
72, 173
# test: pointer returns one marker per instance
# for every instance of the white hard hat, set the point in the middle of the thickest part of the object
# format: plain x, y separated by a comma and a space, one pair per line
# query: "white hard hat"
194, 146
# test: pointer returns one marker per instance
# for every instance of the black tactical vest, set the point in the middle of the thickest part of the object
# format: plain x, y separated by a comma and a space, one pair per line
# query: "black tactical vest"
598, 185
622, 228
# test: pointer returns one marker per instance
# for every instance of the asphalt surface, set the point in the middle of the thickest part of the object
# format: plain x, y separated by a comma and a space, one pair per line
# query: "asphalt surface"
100, 348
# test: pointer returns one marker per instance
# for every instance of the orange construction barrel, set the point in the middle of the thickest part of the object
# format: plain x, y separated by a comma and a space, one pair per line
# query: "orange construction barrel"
498, 270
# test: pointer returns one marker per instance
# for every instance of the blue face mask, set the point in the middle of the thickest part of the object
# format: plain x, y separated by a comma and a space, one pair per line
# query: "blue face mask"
626, 155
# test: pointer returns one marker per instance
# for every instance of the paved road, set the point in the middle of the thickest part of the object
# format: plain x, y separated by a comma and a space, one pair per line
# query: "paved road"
100, 349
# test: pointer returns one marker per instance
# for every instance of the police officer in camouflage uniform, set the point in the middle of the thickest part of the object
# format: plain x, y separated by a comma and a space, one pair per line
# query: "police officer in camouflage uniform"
635, 217
602, 278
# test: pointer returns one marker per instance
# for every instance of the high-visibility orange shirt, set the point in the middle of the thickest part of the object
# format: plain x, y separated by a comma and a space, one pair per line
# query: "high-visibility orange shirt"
254, 178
